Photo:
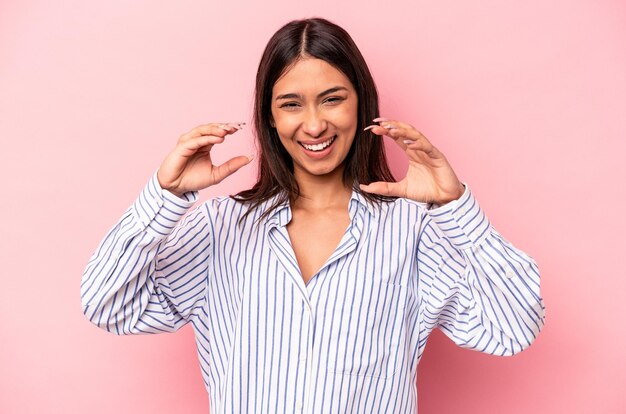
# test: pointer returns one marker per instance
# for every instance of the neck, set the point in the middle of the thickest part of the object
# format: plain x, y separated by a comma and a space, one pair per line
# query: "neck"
319, 192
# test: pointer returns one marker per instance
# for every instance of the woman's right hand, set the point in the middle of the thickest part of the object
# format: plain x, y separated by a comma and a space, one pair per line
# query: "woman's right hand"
189, 168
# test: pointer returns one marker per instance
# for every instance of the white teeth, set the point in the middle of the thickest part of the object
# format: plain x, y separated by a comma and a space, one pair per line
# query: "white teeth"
319, 147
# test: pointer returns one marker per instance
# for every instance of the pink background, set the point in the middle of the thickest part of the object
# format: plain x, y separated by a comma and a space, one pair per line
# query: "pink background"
526, 99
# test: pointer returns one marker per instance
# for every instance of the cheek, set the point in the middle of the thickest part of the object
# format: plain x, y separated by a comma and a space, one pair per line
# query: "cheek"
347, 117
287, 141
285, 126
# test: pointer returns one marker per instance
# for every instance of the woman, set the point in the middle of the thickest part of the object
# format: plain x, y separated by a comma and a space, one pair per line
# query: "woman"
315, 290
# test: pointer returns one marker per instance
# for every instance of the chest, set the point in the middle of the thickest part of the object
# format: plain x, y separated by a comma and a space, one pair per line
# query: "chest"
314, 239
348, 321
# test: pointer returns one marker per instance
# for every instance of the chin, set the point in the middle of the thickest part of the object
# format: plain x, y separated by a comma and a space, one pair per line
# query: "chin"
320, 170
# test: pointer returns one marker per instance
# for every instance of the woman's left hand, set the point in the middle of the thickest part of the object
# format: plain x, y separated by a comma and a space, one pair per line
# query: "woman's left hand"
430, 177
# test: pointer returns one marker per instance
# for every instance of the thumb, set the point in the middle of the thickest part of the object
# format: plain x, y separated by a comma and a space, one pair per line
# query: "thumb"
383, 188
231, 166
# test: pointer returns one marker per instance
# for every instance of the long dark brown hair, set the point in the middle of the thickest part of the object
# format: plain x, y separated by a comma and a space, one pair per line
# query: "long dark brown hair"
365, 162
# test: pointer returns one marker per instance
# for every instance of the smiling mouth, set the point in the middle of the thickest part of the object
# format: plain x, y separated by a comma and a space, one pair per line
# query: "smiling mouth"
319, 147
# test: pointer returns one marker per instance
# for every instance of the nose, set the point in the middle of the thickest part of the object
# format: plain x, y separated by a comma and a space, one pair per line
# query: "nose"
314, 123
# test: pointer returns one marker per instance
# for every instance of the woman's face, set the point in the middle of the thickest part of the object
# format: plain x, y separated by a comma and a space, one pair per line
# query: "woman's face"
314, 111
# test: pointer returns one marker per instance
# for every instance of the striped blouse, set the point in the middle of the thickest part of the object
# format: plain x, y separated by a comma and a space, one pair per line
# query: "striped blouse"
347, 341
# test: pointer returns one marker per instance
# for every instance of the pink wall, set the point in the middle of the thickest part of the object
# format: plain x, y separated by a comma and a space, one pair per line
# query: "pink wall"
527, 100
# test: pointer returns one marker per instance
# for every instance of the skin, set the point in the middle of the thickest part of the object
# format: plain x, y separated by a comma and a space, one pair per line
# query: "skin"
310, 114
429, 178
310, 117
320, 215
189, 167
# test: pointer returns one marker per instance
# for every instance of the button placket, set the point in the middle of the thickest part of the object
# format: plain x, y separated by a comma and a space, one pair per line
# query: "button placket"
306, 357
306, 320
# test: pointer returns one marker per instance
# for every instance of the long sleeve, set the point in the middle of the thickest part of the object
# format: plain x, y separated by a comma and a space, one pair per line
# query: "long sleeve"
480, 290
148, 274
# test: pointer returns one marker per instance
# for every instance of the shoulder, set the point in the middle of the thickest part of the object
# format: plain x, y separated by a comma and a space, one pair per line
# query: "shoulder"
402, 208
221, 206
222, 209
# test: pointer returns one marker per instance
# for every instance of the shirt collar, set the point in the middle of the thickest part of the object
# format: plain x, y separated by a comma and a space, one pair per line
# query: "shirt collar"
361, 202
281, 215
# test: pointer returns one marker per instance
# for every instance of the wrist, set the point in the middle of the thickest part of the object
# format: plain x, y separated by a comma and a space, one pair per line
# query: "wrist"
454, 197
171, 190
176, 193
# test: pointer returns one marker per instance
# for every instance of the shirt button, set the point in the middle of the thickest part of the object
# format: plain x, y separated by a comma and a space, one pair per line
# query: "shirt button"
510, 273
303, 358
299, 406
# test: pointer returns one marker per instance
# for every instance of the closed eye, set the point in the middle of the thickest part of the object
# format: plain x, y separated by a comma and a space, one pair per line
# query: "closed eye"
289, 105
334, 99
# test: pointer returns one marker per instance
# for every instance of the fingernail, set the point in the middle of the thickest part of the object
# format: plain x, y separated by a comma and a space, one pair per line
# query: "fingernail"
250, 157
369, 127
380, 119
225, 127
389, 126
407, 141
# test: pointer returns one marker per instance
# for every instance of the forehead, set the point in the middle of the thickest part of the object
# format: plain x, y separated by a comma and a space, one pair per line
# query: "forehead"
310, 74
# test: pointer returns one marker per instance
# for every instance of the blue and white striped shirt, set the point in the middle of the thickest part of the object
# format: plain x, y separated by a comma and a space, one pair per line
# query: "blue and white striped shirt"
349, 340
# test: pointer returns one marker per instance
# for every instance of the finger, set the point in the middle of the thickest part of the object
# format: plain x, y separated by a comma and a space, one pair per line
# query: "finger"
237, 125
405, 136
383, 188
217, 129
378, 130
202, 141
394, 124
394, 133
194, 145
411, 139
424, 146
399, 124
229, 167
399, 135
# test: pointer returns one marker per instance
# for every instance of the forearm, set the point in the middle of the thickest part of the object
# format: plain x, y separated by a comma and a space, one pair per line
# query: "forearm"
487, 293
123, 289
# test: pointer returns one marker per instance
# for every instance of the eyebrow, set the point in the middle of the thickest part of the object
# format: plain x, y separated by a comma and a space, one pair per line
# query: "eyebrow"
298, 96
